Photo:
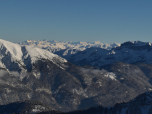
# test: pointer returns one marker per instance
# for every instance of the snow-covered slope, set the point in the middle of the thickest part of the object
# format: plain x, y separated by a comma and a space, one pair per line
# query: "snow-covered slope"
129, 52
14, 57
66, 49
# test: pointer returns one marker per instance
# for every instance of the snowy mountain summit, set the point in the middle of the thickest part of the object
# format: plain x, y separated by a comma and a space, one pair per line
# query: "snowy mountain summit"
14, 57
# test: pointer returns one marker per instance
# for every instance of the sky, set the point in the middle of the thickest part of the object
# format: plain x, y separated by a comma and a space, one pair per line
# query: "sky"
106, 21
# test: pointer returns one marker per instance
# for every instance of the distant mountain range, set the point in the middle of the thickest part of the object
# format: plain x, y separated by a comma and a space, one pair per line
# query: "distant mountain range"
97, 54
66, 49
91, 77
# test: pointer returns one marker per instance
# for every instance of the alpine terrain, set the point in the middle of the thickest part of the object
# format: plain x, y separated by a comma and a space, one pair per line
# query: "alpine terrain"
88, 78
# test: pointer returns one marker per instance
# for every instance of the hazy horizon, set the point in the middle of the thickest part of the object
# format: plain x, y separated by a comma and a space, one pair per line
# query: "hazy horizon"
94, 20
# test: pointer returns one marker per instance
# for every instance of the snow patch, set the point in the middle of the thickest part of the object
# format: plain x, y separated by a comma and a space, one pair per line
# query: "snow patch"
110, 75
37, 75
44, 89
38, 108
29, 95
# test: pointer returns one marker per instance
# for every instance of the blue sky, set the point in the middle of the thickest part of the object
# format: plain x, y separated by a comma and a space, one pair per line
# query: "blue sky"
106, 21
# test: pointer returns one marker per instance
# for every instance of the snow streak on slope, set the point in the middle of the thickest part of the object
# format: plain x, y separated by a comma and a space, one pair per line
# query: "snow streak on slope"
37, 53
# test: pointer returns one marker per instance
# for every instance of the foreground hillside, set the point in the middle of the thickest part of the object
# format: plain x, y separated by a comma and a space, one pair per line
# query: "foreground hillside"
26, 107
140, 105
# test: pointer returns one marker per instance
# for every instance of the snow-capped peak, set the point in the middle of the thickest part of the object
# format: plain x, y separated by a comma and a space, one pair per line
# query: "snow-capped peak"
13, 49
13, 56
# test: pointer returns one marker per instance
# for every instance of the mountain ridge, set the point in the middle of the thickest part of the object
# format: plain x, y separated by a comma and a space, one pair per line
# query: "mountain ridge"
66, 49
129, 52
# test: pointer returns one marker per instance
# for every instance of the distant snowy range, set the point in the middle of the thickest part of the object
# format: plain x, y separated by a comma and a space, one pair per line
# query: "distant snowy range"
66, 49
55, 77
